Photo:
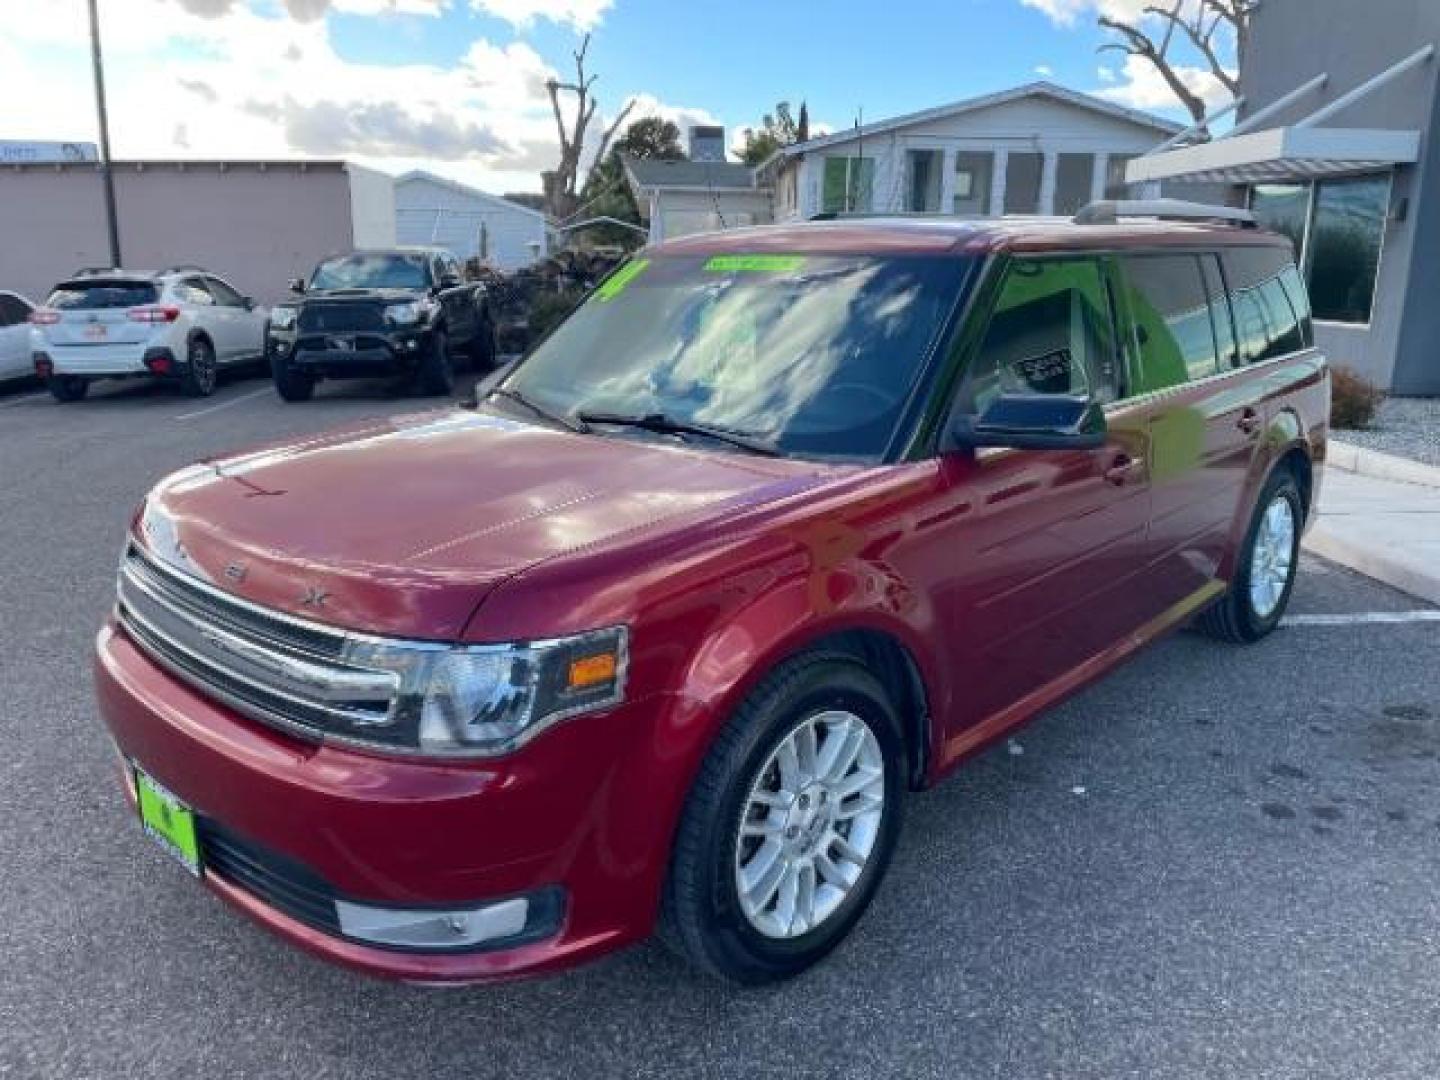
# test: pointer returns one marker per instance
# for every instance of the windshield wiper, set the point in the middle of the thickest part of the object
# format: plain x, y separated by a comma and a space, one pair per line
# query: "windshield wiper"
667, 425
579, 426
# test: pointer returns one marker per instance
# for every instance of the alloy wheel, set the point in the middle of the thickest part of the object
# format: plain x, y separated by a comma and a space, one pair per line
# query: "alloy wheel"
1272, 557
810, 824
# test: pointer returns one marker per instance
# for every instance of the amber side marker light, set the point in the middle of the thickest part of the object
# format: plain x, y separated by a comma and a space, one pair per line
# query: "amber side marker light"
592, 671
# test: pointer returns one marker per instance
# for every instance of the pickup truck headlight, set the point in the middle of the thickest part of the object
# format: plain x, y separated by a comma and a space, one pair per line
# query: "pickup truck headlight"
479, 701
282, 318
410, 312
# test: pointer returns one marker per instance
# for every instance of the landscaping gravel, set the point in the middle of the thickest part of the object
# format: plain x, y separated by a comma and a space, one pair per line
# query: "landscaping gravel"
1406, 427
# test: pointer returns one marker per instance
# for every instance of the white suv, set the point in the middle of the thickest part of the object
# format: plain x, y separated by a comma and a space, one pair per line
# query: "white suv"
183, 324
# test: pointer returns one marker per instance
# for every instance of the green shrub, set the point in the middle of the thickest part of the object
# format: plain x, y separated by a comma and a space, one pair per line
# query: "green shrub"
1353, 399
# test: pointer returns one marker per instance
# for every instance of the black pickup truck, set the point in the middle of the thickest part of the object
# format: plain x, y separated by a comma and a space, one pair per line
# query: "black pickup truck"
398, 311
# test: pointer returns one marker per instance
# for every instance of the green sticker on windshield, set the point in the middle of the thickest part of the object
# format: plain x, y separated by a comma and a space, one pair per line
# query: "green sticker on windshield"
755, 264
617, 282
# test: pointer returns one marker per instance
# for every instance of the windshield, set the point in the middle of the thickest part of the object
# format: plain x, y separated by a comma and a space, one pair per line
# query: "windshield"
815, 355
372, 272
101, 294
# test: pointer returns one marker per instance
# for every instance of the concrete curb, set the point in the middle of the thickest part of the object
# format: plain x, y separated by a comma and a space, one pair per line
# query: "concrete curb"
1416, 576
1351, 458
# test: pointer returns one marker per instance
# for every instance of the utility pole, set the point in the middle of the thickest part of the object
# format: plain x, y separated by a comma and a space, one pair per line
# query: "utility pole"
105, 175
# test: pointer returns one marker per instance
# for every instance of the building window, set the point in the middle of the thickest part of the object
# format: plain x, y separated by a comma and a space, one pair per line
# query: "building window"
1343, 253
1115, 185
973, 172
1022, 183
849, 184
1073, 176
1338, 228
922, 170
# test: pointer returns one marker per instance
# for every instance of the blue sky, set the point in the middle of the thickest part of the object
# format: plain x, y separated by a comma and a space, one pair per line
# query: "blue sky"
457, 85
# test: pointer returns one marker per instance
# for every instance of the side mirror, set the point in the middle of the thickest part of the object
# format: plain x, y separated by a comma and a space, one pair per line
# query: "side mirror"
297, 284
449, 281
1034, 422
248, 303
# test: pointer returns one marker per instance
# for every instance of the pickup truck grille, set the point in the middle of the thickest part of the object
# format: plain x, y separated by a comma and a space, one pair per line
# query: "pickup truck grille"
282, 671
341, 318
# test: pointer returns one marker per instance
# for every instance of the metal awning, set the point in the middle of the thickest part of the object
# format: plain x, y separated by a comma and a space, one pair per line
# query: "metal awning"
1287, 153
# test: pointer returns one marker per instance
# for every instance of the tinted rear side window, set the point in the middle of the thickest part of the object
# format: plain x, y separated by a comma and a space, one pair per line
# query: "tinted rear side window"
1170, 310
1268, 322
81, 295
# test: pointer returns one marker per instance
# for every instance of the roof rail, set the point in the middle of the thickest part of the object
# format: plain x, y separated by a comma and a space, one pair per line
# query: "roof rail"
96, 271
183, 268
1109, 211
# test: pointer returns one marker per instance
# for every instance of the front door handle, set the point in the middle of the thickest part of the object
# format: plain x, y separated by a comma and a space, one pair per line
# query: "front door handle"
1121, 469
1249, 422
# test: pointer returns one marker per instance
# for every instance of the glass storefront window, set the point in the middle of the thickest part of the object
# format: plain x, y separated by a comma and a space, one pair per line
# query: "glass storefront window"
1344, 249
1338, 228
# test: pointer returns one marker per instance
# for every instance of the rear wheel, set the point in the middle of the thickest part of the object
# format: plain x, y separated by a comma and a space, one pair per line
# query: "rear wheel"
1265, 572
67, 387
200, 368
436, 373
290, 384
790, 825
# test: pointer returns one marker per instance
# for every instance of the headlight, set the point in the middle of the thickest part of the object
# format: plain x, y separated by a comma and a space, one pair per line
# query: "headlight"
410, 312
282, 318
477, 701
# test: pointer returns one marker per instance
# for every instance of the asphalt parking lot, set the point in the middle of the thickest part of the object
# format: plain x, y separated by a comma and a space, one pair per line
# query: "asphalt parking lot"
1219, 862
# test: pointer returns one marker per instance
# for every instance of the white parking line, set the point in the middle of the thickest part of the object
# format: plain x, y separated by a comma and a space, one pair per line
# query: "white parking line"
225, 404
22, 398
1363, 618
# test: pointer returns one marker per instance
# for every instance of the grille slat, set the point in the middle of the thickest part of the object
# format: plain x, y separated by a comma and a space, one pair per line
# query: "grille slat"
273, 669
341, 318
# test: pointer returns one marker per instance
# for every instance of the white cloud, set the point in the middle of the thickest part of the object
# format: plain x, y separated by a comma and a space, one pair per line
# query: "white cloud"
1045, 71
1070, 12
581, 14
1106, 74
230, 82
1141, 87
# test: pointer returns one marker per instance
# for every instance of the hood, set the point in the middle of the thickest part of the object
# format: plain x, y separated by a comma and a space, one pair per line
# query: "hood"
389, 296
403, 526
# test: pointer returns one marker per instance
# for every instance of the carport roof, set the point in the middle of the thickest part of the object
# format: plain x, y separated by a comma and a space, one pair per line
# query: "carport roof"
1285, 153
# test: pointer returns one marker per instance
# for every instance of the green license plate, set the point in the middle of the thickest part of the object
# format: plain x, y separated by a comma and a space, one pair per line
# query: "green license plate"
168, 821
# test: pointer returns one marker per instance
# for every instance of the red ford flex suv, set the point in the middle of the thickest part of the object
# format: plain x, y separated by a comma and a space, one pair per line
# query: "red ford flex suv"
780, 525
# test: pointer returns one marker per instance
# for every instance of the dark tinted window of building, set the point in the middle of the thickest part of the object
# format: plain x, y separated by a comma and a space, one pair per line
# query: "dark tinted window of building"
1283, 208
1170, 310
1346, 235
1022, 182
1266, 322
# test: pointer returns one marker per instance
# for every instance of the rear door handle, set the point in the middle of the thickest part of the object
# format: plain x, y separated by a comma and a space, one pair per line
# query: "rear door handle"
1122, 469
1249, 422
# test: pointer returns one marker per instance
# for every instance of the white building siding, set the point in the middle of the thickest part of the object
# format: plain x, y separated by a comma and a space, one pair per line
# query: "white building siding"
1030, 125
431, 211
679, 213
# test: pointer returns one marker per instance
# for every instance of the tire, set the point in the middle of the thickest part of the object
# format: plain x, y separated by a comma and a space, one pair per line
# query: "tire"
703, 916
1252, 607
201, 370
436, 373
290, 384
484, 349
67, 387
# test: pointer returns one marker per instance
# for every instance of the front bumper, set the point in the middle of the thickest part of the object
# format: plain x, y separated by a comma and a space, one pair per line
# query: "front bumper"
393, 833
350, 355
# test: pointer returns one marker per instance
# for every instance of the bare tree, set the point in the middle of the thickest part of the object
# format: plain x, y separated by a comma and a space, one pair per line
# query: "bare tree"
561, 184
1198, 21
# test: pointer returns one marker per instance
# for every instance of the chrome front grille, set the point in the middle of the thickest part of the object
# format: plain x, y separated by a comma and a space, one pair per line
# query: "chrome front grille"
271, 667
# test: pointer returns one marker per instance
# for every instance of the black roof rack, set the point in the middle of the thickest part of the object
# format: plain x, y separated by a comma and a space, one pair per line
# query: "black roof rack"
1110, 211
183, 268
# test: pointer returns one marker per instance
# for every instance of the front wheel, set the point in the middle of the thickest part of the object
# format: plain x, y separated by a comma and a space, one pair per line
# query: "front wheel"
790, 825
436, 373
290, 384
1265, 570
